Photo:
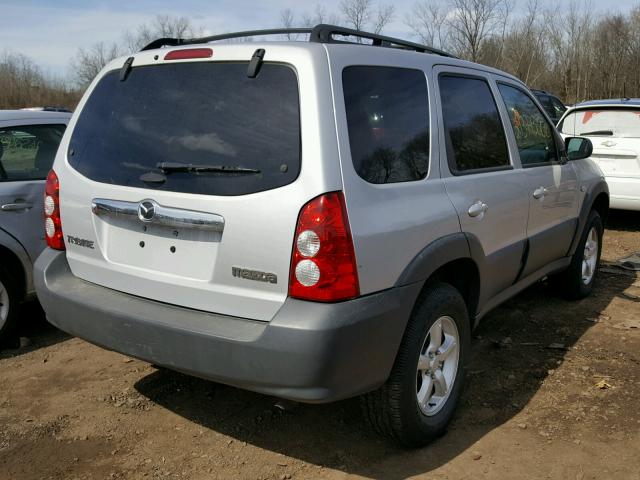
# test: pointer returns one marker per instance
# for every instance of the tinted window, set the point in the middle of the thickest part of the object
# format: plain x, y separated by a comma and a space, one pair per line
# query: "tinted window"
205, 113
559, 107
27, 152
545, 101
473, 131
535, 137
388, 121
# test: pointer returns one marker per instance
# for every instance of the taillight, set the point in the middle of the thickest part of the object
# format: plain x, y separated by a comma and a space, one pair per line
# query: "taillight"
323, 264
52, 222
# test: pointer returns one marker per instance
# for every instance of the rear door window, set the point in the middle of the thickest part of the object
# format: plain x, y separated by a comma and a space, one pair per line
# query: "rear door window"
388, 121
474, 136
205, 114
534, 135
27, 152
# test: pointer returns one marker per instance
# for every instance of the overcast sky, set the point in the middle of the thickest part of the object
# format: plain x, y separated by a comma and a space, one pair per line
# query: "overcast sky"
51, 31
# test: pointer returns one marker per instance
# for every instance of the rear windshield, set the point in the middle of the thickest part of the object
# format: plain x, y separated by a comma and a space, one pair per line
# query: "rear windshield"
206, 114
615, 122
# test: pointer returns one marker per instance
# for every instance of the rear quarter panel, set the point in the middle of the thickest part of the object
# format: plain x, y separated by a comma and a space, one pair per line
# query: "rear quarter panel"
390, 223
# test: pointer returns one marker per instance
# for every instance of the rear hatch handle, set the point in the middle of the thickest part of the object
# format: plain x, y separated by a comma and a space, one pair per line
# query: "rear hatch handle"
151, 212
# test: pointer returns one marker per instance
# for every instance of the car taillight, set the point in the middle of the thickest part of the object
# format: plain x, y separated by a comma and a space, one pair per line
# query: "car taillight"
52, 222
323, 263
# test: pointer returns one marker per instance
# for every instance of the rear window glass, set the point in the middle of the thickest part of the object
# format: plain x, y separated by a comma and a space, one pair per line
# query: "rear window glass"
199, 113
475, 139
619, 122
388, 120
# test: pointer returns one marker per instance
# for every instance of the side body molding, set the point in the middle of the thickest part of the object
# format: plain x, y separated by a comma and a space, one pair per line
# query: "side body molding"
433, 256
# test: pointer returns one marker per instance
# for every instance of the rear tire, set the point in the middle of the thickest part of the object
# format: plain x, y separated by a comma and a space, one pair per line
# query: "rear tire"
9, 303
577, 281
418, 400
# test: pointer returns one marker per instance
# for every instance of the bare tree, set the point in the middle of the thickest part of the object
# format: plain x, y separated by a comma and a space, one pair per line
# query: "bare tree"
357, 13
287, 20
472, 22
318, 16
161, 26
384, 16
22, 84
362, 15
89, 61
427, 21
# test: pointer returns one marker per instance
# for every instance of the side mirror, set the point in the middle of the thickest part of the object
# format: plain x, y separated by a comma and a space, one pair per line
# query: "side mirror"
578, 148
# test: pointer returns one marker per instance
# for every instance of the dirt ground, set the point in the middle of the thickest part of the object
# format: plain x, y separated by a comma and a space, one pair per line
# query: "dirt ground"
554, 392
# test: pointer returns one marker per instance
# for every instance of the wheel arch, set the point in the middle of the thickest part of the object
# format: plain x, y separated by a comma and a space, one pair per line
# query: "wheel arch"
601, 205
15, 259
597, 198
448, 259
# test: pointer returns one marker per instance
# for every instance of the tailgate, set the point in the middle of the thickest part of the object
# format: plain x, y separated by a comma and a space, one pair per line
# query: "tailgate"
183, 183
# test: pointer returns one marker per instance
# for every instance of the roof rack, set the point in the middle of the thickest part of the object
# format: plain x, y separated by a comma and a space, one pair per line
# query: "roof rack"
321, 33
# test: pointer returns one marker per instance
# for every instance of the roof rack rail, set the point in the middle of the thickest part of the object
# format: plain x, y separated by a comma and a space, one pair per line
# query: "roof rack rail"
321, 33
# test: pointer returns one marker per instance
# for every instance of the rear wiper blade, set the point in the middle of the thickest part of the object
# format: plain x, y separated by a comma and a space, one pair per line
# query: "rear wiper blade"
598, 132
170, 167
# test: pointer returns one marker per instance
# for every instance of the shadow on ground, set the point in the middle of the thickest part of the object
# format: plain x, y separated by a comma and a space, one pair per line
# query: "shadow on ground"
511, 357
623, 220
34, 330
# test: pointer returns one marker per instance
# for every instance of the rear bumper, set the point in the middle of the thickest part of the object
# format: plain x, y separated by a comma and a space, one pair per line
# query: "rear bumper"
310, 352
624, 192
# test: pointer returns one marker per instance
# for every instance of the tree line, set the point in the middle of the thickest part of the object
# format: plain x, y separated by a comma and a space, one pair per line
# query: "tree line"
572, 51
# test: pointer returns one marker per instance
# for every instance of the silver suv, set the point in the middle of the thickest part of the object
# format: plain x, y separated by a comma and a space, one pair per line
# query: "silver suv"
28, 143
312, 220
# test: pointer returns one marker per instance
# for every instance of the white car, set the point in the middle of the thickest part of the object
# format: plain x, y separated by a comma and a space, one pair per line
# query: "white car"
613, 126
29, 140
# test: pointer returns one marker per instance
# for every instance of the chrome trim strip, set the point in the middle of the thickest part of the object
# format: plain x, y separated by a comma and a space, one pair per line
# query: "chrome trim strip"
166, 216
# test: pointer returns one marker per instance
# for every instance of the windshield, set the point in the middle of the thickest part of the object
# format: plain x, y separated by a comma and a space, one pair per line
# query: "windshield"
611, 122
198, 113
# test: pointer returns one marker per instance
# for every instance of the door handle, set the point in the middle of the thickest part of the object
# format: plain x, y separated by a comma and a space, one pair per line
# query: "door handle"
540, 193
16, 207
478, 209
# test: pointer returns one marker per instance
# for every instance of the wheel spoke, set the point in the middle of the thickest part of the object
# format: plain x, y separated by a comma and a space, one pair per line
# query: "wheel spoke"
426, 389
436, 336
423, 363
447, 348
440, 383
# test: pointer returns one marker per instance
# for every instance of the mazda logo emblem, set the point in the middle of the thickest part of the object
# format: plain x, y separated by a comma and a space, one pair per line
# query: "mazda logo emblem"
146, 210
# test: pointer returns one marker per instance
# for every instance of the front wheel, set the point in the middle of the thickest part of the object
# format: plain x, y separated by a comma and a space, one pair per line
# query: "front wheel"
578, 280
426, 381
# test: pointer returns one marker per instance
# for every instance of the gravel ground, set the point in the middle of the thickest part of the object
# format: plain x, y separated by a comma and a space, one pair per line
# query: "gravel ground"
553, 393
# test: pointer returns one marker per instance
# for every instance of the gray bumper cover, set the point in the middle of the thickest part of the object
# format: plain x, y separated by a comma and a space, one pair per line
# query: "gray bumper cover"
311, 352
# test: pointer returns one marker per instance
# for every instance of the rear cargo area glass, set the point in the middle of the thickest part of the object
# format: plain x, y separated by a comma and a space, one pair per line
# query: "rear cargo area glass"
200, 113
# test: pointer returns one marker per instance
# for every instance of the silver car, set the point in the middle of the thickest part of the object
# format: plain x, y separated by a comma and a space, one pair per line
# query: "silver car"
312, 220
28, 143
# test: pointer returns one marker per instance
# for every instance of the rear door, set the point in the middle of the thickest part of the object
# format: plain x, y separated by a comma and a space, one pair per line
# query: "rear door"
183, 183
26, 155
486, 186
552, 184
